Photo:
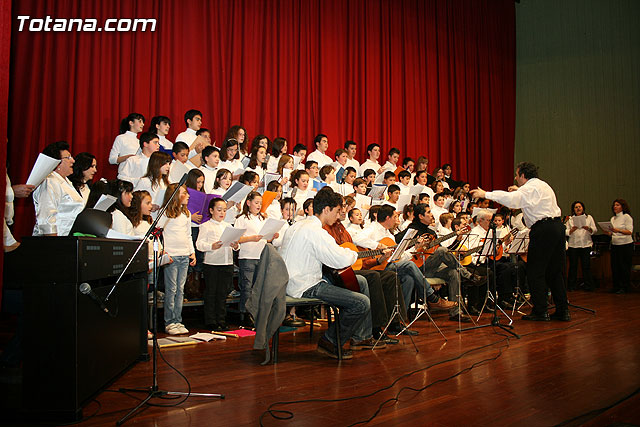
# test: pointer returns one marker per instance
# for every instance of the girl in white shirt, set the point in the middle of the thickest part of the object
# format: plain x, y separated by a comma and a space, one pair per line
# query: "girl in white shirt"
580, 244
285, 169
300, 192
126, 144
84, 169
218, 266
178, 244
278, 149
120, 222
356, 222
156, 180
257, 164
273, 211
230, 159
251, 245
160, 125
621, 246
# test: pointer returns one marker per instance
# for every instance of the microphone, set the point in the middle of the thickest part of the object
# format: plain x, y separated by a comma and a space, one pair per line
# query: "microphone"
85, 289
183, 180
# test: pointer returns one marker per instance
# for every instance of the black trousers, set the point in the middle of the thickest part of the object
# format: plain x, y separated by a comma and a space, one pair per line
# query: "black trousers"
621, 257
545, 267
583, 256
382, 293
218, 280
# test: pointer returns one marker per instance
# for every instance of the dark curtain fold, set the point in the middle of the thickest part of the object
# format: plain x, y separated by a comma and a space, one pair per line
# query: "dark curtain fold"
5, 46
434, 77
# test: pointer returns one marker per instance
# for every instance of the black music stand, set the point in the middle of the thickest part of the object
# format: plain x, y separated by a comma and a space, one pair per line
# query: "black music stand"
495, 321
154, 391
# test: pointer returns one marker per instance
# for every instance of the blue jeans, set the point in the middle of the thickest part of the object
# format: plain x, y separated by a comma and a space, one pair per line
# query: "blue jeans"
354, 309
410, 277
175, 276
245, 281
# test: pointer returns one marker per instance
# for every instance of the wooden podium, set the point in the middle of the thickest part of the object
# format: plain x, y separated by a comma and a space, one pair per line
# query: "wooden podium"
72, 349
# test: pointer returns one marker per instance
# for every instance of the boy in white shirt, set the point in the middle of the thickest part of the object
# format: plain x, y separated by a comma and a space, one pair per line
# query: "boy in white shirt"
135, 167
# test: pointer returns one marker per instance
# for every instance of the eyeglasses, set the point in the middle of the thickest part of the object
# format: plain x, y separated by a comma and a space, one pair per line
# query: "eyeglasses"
69, 157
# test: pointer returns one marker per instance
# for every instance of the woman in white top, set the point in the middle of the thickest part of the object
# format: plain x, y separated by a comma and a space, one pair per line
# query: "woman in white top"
278, 149
301, 192
120, 222
56, 202
156, 180
257, 164
621, 245
580, 244
126, 144
274, 209
84, 169
230, 159
251, 245
218, 266
285, 169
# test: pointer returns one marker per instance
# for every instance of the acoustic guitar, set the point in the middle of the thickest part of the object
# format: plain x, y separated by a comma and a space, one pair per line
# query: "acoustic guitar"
466, 253
428, 249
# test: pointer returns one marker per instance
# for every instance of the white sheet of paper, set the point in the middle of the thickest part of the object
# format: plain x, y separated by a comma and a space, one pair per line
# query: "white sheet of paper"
178, 169
579, 221
605, 225
237, 192
112, 234
230, 235
362, 200
377, 191
416, 189
270, 227
238, 171
230, 217
104, 202
296, 162
447, 202
41, 169
286, 173
268, 177
403, 201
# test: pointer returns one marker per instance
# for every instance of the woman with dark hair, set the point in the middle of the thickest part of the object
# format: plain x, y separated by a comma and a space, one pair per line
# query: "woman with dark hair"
160, 126
438, 174
258, 162
278, 149
56, 201
84, 169
621, 245
580, 227
230, 157
259, 141
156, 180
126, 143
239, 133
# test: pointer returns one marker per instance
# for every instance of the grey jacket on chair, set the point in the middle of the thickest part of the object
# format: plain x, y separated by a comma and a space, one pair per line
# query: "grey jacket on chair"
267, 302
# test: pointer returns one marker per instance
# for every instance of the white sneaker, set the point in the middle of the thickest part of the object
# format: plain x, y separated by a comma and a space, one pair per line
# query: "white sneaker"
181, 329
171, 328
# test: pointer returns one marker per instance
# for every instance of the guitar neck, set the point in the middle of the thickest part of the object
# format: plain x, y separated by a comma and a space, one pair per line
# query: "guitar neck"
474, 250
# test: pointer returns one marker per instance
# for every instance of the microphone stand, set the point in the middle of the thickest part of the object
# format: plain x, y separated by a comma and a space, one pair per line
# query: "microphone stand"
495, 321
154, 391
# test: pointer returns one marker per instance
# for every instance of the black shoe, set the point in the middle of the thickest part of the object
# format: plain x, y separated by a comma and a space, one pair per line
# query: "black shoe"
247, 321
399, 331
385, 338
544, 317
463, 318
477, 280
563, 316
506, 304
326, 347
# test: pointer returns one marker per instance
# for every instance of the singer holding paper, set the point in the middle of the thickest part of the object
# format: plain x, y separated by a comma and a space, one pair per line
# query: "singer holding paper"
579, 228
547, 246
621, 245
56, 201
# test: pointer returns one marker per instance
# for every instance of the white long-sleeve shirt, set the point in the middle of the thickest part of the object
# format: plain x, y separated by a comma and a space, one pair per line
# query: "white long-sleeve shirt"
581, 238
210, 233
622, 221
306, 247
369, 164
177, 235
124, 144
321, 158
209, 177
57, 205
121, 224
133, 168
353, 163
536, 199
156, 191
253, 224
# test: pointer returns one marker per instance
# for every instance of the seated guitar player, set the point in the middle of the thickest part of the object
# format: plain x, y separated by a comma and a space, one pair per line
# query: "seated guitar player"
306, 247
376, 235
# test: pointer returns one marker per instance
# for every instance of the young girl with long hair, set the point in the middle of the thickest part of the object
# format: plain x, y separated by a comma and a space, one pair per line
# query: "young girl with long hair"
251, 245
176, 223
278, 150
122, 191
156, 180
273, 211
300, 192
84, 169
126, 143
218, 266
195, 182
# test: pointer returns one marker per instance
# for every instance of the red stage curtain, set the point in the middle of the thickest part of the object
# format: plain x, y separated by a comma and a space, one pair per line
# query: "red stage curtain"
5, 44
430, 77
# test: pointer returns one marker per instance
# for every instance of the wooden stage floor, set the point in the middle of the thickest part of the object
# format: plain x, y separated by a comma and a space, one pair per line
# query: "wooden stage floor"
556, 373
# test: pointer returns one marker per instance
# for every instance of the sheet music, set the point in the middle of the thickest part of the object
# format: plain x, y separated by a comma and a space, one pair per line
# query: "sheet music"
270, 227
520, 243
104, 202
377, 191
41, 169
605, 225
579, 221
402, 246
403, 201
230, 235
362, 200
237, 192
